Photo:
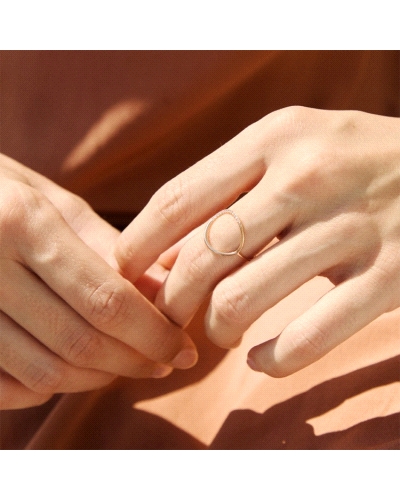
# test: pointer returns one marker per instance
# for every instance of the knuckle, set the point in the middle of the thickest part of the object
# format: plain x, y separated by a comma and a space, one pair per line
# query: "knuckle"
18, 201
292, 115
310, 174
192, 258
346, 123
76, 206
108, 304
172, 201
304, 343
308, 342
286, 121
231, 304
43, 378
361, 242
310, 183
81, 348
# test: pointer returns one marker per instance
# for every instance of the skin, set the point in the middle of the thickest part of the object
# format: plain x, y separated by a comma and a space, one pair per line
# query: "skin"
322, 199
68, 320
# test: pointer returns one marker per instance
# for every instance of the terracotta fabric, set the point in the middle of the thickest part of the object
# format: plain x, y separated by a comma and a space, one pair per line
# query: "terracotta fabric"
113, 127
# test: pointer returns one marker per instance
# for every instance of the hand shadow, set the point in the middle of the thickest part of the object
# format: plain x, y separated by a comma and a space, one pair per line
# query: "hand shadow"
106, 419
284, 426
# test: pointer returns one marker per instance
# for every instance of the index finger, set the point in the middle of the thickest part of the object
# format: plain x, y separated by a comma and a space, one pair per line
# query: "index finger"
189, 200
90, 286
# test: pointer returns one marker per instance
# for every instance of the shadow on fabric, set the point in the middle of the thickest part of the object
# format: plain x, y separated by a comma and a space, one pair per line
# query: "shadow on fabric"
284, 426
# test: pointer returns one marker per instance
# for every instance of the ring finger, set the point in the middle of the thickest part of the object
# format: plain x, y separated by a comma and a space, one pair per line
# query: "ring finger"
218, 248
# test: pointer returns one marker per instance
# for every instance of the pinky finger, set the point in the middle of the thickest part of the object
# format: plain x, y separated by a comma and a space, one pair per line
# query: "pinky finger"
338, 315
14, 395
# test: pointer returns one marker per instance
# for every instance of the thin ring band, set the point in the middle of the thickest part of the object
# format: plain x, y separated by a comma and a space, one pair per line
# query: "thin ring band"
241, 228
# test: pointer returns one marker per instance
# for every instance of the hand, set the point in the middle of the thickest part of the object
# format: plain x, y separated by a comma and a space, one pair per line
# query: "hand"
68, 321
326, 184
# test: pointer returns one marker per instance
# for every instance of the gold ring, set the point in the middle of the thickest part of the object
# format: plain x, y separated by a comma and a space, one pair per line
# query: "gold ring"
241, 228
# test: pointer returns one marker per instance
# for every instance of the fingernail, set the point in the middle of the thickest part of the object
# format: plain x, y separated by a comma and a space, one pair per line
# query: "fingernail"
186, 358
161, 371
253, 364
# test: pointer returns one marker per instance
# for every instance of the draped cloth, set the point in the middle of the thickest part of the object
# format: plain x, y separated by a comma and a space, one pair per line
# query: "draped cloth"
113, 127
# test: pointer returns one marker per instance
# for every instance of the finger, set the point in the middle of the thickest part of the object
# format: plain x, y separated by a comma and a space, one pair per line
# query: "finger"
37, 368
14, 395
198, 269
98, 234
92, 288
188, 200
168, 258
245, 295
92, 229
339, 314
50, 320
150, 283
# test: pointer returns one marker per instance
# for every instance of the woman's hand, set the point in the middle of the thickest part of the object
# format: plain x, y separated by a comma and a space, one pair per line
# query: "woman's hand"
326, 184
68, 321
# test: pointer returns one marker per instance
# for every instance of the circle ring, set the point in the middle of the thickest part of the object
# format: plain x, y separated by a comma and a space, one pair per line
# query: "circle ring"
241, 228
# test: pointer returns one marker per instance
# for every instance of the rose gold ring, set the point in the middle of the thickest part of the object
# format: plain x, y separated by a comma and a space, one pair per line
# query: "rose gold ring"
241, 229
